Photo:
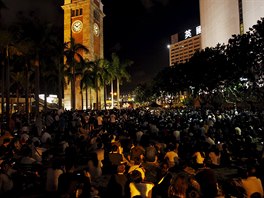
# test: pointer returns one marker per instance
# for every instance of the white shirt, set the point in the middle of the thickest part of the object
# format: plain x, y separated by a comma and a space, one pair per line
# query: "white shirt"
45, 136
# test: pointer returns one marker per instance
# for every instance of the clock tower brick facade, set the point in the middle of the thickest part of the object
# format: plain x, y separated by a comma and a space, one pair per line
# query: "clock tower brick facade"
90, 34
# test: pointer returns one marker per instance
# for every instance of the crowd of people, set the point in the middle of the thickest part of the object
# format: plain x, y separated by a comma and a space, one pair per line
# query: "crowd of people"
143, 152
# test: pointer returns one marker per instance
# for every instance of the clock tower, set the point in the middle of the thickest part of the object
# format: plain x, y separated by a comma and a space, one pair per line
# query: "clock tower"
83, 21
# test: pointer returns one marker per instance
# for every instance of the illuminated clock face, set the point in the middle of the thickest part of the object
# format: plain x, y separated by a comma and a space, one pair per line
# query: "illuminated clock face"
77, 26
96, 29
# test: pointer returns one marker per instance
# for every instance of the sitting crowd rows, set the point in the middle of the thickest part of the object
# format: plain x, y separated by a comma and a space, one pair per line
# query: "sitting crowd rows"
133, 153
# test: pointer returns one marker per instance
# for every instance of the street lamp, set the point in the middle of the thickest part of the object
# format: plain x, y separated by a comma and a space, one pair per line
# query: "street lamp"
168, 46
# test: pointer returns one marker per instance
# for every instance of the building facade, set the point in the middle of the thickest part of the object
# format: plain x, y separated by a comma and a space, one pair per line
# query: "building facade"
220, 19
184, 45
83, 21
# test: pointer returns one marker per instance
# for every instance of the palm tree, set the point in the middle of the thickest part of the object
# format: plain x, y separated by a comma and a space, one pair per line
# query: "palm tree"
106, 77
2, 6
87, 82
6, 49
58, 52
100, 74
96, 67
15, 48
19, 82
34, 39
73, 53
120, 71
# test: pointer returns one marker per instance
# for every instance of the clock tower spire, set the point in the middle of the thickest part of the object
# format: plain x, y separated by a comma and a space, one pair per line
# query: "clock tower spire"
83, 21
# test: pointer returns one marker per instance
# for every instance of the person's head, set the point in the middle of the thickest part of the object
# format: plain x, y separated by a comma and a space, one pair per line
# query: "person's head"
4, 166
114, 148
36, 143
121, 168
136, 176
56, 164
164, 167
251, 170
6, 141
26, 151
99, 144
69, 166
178, 185
255, 195
137, 161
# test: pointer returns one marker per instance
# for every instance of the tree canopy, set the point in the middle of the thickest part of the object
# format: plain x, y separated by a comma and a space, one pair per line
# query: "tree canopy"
233, 71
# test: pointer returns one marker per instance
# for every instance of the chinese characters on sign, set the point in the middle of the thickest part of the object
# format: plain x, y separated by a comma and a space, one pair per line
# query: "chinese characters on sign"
198, 30
188, 33
193, 31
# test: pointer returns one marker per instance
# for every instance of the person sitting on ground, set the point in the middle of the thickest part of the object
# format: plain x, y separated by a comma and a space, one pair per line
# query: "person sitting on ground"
251, 183
26, 158
138, 187
136, 151
207, 180
6, 181
171, 155
199, 157
52, 176
118, 183
5, 149
74, 184
178, 186
114, 156
214, 156
138, 166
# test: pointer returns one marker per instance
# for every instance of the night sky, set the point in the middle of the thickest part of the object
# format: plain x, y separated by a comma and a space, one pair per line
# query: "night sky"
138, 30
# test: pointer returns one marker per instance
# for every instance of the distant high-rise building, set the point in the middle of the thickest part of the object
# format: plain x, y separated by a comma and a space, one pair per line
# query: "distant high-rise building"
184, 45
220, 19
